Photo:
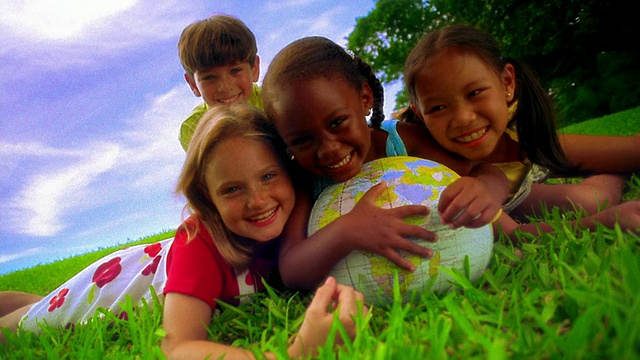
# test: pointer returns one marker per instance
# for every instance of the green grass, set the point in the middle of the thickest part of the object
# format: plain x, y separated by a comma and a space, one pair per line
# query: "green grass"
623, 123
567, 294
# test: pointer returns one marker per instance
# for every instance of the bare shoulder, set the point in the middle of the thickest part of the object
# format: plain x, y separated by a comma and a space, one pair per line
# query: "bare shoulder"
415, 136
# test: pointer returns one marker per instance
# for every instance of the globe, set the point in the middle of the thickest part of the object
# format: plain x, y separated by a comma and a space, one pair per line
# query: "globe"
409, 181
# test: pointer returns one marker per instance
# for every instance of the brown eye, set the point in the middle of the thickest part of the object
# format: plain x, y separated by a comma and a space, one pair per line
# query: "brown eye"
334, 124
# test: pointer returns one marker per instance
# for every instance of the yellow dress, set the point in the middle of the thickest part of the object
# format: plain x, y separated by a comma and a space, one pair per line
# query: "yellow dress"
521, 175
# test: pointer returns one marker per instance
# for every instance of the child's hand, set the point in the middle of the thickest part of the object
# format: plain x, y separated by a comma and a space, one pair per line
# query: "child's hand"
467, 202
383, 231
318, 320
627, 215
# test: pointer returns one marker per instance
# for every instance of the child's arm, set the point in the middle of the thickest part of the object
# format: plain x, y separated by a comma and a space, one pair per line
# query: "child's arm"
626, 215
185, 320
305, 262
602, 154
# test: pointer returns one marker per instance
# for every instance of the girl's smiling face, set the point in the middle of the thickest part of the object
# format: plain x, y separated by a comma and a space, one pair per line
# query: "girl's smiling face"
464, 103
250, 187
323, 122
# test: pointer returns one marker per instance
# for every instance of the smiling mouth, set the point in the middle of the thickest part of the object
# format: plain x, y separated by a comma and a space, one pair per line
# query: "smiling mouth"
340, 164
264, 216
471, 137
229, 100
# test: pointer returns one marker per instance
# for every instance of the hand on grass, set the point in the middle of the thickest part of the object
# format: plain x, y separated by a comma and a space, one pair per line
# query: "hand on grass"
626, 215
329, 298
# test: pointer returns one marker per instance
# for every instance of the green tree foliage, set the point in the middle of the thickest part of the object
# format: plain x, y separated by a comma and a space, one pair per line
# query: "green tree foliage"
587, 52
386, 35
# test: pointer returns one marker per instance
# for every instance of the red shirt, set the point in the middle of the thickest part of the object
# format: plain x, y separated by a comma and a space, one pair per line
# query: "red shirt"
198, 269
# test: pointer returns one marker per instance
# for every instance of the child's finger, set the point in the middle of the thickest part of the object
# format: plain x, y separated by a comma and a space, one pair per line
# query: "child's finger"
406, 211
348, 299
324, 295
419, 232
345, 294
412, 247
393, 256
374, 192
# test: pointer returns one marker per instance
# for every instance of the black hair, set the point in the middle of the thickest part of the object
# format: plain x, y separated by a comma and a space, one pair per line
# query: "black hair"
316, 56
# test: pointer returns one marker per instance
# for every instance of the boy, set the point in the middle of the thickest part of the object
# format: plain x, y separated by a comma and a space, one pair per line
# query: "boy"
219, 56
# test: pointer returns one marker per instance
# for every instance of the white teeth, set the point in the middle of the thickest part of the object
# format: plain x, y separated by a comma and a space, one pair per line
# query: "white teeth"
263, 216
341, 163
227, 101
473, 136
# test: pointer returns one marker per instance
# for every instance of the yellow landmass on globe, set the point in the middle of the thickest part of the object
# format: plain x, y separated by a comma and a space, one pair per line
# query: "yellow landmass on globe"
382, 272
434, 263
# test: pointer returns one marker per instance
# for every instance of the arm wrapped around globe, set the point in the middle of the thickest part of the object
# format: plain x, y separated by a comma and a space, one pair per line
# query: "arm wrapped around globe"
409, 180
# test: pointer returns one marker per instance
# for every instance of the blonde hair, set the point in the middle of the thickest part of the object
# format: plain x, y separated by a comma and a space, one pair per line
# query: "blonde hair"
221, 123
216, 41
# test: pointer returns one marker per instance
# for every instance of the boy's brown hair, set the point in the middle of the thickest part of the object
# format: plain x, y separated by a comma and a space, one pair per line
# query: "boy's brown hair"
216, 41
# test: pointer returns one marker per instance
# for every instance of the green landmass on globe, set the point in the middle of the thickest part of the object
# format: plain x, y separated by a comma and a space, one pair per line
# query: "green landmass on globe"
409, 181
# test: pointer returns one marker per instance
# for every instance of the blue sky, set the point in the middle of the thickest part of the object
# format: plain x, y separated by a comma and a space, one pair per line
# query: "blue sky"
91, 99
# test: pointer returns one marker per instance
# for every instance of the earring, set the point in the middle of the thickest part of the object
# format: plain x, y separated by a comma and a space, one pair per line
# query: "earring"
289, 154
508, 95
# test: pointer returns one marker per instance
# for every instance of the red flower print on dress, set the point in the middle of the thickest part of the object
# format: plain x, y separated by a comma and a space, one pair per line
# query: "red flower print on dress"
106, 272
151, 268
57, 300
248, 279
153, 249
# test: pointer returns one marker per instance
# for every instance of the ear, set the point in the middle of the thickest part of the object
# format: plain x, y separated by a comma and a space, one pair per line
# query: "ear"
366, 98
255, 69
192, 84
509, 82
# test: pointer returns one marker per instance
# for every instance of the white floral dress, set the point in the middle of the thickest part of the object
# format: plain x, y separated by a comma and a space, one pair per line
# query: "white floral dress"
104, 284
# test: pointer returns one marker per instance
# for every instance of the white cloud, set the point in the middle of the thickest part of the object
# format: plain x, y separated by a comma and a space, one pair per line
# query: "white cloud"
153, 140
29, 149
42, 205
280, 5
28, 252
61, 19
324, 21
144, 161
65, 33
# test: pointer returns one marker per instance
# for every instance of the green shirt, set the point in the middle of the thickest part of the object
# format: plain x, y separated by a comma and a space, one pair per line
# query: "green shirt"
189, 125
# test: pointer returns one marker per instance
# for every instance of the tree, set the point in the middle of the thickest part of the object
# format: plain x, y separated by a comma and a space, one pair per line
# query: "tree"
578, 47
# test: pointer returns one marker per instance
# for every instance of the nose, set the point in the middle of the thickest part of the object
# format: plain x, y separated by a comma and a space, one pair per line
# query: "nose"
256, 198
224, 84
463, 115
327, 147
